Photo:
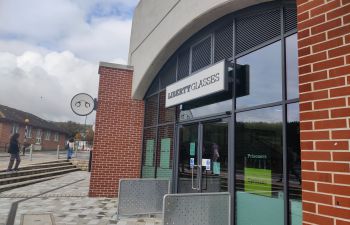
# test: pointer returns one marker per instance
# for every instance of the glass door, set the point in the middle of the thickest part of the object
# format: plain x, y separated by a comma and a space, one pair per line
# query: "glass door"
188, 159
203, 157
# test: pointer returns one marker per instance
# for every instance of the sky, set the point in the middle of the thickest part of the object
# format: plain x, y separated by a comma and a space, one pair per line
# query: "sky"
50, 51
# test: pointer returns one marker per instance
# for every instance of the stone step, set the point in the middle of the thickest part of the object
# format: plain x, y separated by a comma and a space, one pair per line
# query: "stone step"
54, 161
35, 176
27, 171
8, 187
41, 165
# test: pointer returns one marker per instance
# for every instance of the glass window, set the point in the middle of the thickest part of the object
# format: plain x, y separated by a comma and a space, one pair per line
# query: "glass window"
38, 136
201, 54
15, 128
165, 152
57, 136
265, 80
292, 66
148, 153
215, 108
259, 167
294, 163
48, 135
29, 131
166, 115
151, 111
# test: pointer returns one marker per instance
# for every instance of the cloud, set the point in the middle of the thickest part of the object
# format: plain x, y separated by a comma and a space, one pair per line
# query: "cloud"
103, 40
50, 50
43, 84
92, 30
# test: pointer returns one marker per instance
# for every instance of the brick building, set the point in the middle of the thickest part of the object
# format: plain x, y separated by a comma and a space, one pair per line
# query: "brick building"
42, 134
249, 97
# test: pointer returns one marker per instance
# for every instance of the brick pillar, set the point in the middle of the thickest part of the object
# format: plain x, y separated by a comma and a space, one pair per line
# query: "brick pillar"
118, 133
324, 75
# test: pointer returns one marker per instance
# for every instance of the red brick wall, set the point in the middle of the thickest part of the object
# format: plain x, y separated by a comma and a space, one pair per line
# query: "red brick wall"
118, 134
6, 130
324, 75
5, 135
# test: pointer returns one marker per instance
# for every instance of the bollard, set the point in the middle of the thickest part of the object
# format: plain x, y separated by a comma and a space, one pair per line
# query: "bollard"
58, 151
31, 152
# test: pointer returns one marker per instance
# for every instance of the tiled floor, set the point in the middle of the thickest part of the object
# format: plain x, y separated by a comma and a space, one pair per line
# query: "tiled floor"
69, 205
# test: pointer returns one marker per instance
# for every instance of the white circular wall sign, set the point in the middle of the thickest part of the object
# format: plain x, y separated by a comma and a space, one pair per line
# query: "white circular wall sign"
82, 104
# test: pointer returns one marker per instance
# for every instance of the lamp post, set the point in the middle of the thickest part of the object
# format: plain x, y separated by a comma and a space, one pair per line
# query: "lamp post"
26, 122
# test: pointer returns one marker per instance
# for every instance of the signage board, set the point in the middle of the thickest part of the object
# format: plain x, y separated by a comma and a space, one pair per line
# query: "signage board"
205, 82
82, 104
258, 181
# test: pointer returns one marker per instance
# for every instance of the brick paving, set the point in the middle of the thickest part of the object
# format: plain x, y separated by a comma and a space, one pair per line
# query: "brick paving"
69, 205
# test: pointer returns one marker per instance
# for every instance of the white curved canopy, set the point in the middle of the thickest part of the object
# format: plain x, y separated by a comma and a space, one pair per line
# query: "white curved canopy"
160, 27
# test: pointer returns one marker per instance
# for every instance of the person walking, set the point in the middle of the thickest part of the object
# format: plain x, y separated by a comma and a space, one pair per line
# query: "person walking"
70, 148
14, 151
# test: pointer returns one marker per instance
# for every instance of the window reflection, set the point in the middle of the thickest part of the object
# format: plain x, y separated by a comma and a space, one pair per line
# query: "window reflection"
166, 115
294, 163
151, 108
265, 81
292, 66
164, 155
259, 166
220, 107
148, 152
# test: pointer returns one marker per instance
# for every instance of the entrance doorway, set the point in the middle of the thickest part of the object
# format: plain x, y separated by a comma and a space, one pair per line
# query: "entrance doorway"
203, 157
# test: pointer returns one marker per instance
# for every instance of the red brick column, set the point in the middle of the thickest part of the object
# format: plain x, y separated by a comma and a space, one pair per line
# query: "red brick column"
324, 75
118, 133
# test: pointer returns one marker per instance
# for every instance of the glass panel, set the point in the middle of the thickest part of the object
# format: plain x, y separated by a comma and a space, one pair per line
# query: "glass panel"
183, 64
265, 80
215, 149
201, 54
166, 115
151, 108
148, 153
220, 107
188, 145
168, 74
259, 167
154, 87
166, 151
292, 66
294, 165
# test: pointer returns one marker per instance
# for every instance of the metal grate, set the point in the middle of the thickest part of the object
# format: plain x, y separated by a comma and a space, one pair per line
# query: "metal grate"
183, 64
255, 30
168, 74
201, 54
223, 43
141, 196
197, 209
290, 19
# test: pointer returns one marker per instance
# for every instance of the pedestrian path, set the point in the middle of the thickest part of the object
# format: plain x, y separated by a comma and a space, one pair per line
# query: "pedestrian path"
65, 199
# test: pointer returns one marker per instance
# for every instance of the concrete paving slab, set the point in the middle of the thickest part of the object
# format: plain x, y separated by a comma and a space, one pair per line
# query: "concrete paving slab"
69, 205
37, 219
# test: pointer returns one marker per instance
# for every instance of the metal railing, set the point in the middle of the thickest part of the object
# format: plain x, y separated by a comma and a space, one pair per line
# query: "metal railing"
141, 196
197, 209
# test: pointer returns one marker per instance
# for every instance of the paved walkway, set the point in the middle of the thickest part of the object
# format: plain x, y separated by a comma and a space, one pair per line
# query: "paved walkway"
64, 199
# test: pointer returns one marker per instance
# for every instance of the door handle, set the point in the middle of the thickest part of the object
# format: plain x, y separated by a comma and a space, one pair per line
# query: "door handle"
192, 169
199, 175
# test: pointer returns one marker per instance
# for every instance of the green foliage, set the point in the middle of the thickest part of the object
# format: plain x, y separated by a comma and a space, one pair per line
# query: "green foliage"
77, 130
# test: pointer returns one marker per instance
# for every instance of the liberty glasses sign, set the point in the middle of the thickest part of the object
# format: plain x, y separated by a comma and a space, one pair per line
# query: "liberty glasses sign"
205, 82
